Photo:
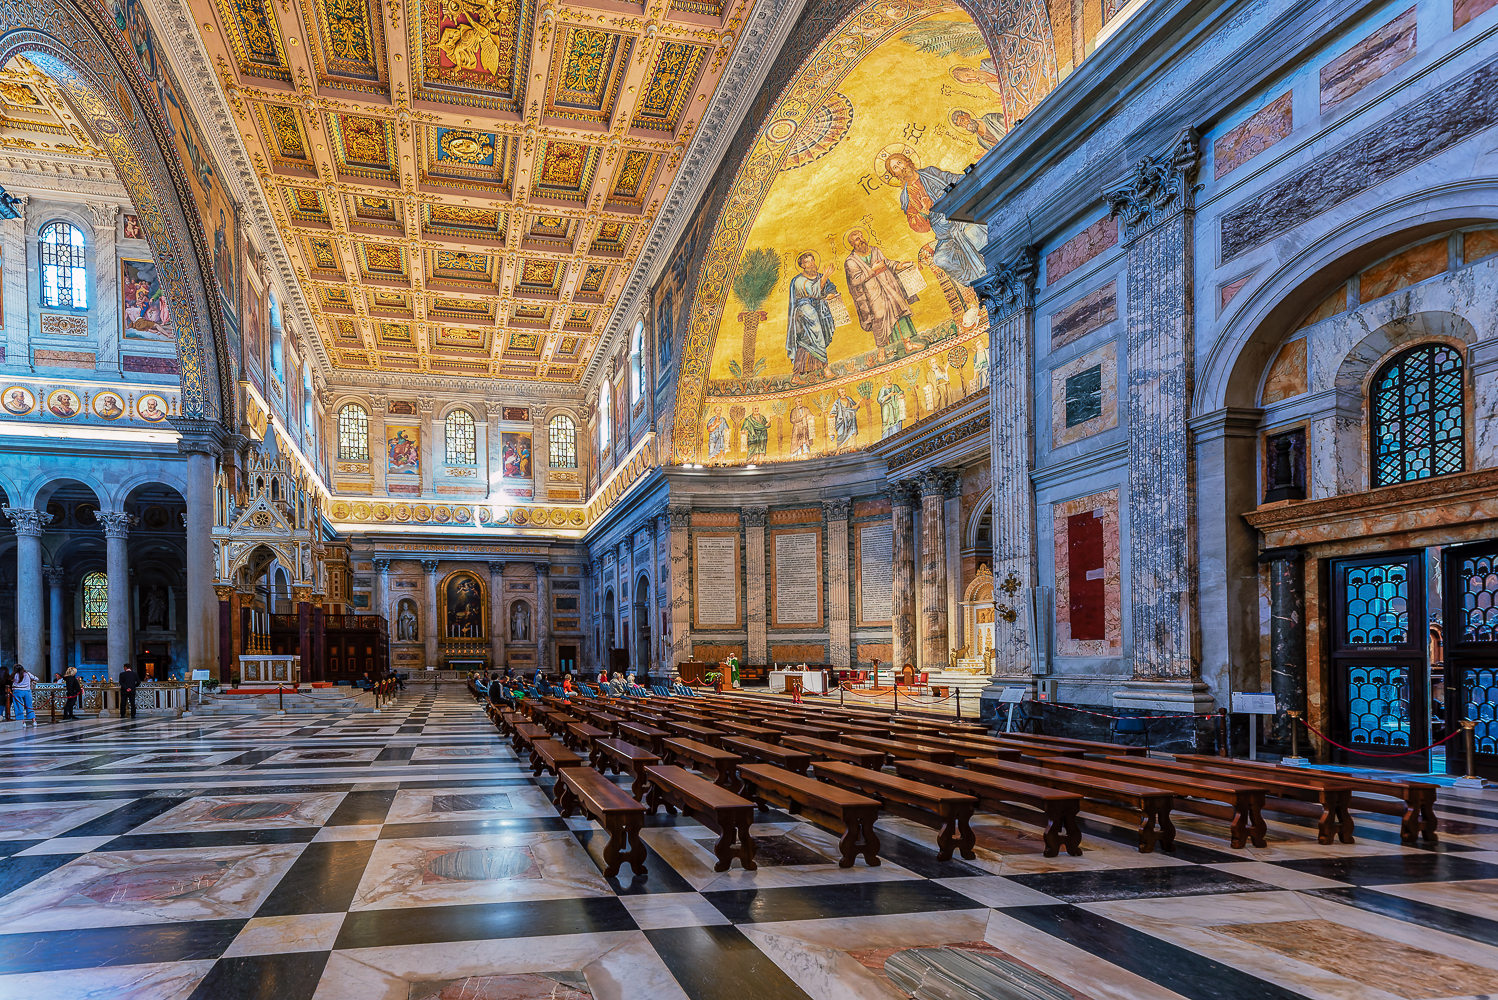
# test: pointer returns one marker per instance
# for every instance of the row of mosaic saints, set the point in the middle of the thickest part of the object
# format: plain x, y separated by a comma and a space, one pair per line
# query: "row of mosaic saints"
881, 291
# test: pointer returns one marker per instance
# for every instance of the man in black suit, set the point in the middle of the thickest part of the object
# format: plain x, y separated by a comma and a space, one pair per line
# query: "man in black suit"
128, 683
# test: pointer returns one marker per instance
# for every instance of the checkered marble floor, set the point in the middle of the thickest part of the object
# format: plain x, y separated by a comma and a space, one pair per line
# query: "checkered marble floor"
408, 855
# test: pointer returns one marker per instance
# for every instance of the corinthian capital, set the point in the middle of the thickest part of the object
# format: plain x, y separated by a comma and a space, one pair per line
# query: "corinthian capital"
116, 523
1158, 186
1010, 287
27, 521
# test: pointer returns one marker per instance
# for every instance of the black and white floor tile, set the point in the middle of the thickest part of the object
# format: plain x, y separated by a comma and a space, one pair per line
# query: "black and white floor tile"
407, 854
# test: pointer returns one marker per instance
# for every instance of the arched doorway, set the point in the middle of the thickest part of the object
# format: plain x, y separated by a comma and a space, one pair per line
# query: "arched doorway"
641, 661
157, 553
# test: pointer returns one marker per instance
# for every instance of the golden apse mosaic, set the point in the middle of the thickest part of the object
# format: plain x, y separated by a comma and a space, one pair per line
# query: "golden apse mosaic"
493, 153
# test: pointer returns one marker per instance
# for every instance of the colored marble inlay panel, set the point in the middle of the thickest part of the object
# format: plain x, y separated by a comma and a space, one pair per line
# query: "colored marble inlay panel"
1089, 619
1387, 48
149, 365
1265, 128
1330, 306
1395, 144
1287, 375
1092, 400
1229, 292
1094, 310
1479, 243
1464, 11
1081, 248
1404, 269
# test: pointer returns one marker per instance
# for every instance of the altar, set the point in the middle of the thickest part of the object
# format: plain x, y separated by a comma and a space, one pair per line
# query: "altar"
812, 681
267, 669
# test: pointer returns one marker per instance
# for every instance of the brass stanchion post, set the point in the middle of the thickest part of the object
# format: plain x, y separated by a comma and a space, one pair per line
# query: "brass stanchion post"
1470, 779
1295, 757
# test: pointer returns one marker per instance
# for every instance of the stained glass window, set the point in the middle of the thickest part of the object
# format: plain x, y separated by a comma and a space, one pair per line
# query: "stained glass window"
563, 453
353, 433
1417, 416
460, 438
64, 267
95, 600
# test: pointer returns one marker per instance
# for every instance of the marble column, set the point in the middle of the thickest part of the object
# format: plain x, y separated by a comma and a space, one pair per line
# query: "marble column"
497, 615
1009, 293
839, 602
57, 654
225, 596
659, 555
902, 621
680, 517
935, 484
116, 524
543, 617
381, 599
1287, 635
1156, 204
755, 583
200, 442
430, 628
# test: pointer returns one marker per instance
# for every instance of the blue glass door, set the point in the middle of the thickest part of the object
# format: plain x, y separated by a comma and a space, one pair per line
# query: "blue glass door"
1378, 656
1471, 647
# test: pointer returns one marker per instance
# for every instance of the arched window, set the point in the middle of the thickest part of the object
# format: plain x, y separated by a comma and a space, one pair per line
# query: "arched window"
637, 363
1416, 406
460, 439
605, 414
277, 334
563, 452
309, 428
353, 433
64, 267
95, 600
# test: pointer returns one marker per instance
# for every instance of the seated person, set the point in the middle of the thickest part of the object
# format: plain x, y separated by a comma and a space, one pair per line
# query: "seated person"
364, 683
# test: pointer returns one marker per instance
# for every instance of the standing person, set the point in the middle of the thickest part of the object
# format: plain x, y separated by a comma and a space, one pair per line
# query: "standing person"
20, 684
74, 688
128, 683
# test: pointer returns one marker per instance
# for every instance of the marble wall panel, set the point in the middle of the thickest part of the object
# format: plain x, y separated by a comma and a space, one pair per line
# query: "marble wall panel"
1287, 373
1229, 291
1385, 49
1263, 129
1080, 249
1104, 358
1330, 306
1463, 11
1405, 268
1095, 598
1393, 145
1484, 418
1479, 243
1092, 311
798, 652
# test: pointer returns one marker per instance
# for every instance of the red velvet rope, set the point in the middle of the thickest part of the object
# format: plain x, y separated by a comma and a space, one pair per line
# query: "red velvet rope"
1365, 753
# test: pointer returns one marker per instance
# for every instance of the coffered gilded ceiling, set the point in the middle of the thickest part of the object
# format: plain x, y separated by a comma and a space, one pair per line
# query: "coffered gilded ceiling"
463, 185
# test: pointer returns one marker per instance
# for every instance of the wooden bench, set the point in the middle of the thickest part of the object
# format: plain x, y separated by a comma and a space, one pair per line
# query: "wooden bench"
1148, 806
1287, 791
753, 732
827, 750
643, 735
1237, 800
614, 754
721, 765
768, 753
525, 733
848, 813
803, 729
692, 731
550, 756
900, 750
581, 735
715, 807
948, 811
556, 722
613, 808
1413, 801
996, 793
1069, 743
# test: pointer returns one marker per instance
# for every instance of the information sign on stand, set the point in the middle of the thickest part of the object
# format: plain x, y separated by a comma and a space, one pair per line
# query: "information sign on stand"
200, 676
1253, 705
1012, 696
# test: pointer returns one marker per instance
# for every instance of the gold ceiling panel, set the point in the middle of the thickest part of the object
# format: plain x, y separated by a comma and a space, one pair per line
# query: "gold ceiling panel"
463, 168
35, 116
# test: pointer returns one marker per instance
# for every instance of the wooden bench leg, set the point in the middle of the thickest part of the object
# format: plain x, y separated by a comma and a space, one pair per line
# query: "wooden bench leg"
563, 799
1167, 830
1409, 823
746, 847
636, 853
1060, 825
1148, 835
1256, 825
859, 838
1428, 816
615, 847
1071, 822
946, 837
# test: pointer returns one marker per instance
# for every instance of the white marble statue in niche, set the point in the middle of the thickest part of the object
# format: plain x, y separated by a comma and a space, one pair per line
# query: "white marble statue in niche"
520, 621
406, 629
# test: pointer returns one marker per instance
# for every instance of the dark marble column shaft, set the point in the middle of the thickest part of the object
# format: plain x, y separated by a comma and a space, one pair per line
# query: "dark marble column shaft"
1287, 635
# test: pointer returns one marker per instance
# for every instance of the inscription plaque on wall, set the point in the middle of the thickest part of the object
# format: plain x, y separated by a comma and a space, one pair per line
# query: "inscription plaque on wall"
798, 578
716, 574
876, 572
